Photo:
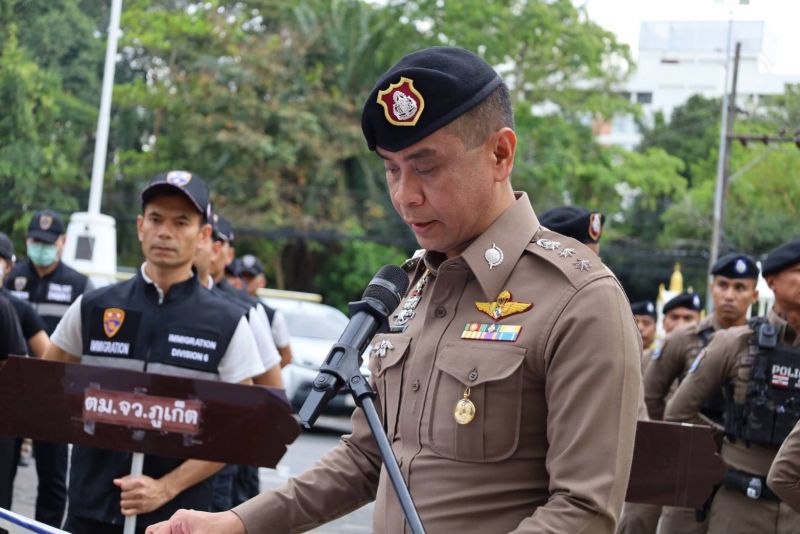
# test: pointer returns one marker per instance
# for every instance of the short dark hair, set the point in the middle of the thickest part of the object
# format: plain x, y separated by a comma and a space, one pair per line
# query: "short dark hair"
173, 193
493, 113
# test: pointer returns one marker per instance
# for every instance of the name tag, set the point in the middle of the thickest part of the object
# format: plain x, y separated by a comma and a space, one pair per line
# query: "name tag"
193, 349
24, 295
59, 292
111, 348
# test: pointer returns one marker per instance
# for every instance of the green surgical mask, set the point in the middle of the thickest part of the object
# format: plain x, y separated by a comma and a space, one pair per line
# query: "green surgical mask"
42, 254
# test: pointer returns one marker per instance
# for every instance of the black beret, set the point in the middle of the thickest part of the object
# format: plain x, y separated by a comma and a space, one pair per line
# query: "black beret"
644, 307
782, 257
688, 300
736, 266
46, 226
584, 225
423, 92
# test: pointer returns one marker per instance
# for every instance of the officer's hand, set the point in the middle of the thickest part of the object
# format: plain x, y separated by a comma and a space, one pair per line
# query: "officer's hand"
194, 522
142, 494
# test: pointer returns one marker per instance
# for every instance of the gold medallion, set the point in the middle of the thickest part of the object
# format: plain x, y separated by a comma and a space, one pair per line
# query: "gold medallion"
464, 412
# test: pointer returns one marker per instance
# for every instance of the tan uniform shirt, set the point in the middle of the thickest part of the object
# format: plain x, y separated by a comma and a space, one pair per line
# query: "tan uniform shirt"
784, 475
726, 360
550, 447
671, 361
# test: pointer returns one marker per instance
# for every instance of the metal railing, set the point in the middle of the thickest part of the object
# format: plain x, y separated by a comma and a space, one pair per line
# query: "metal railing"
19, 524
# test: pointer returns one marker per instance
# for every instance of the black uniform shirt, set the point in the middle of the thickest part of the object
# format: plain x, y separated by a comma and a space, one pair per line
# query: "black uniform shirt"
50, 295
11, 340
29, 320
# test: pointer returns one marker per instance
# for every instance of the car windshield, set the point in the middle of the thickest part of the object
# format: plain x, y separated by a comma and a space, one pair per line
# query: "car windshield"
317, 322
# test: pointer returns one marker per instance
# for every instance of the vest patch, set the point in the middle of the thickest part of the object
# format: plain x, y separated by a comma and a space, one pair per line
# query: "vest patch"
59, 292
115, 348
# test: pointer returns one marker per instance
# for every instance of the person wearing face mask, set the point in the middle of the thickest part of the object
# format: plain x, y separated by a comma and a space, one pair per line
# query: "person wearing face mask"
50, 287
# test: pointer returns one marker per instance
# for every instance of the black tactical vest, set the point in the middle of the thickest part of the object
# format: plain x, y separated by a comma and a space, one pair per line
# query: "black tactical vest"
772, 403
125, 326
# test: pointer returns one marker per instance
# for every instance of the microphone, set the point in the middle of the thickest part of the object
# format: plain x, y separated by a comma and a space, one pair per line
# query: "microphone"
368, 316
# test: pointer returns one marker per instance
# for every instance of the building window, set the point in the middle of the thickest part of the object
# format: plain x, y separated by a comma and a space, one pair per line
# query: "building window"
644, 98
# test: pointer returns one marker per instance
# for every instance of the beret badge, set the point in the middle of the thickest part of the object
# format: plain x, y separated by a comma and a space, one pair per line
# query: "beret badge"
595, 226
402, 103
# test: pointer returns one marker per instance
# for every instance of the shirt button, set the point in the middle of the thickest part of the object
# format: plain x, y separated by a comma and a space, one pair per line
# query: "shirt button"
415, 386
473, 375
441, 311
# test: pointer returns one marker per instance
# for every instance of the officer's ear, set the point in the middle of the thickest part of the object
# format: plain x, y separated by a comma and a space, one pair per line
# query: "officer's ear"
139, 222
503, 147
205, 231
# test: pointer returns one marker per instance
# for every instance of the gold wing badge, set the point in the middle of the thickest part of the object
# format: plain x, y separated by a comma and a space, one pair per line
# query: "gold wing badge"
503, 307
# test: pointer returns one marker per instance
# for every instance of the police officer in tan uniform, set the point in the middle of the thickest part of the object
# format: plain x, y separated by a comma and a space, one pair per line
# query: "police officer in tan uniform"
758, 365
508, 404
644, 313
733, 290
682, 310
784, 475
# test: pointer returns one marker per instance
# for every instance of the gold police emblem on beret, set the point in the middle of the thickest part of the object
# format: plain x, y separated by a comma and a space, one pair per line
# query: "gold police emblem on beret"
402, 103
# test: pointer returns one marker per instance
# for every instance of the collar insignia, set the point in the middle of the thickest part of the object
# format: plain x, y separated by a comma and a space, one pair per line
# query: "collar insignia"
493, 256
491, 332
20, 282
112, 321
402, 103
503, 307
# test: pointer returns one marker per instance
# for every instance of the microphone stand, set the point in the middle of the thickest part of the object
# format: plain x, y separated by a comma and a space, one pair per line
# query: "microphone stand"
342, 369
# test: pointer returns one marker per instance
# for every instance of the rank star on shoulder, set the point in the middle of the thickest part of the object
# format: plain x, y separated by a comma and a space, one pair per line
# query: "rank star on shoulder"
583, 265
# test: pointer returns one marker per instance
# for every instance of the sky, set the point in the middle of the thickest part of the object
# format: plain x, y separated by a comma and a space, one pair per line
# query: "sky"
782, 18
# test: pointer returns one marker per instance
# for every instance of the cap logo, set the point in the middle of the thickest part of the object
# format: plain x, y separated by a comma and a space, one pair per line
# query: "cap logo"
179, 178
112, 321
696, 301
741, 266
45, 221
20, 282
595, 226
249, 260
402, 103
650, 307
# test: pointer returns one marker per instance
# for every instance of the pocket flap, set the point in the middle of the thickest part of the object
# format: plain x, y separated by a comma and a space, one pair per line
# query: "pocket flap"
385, 351
473, 364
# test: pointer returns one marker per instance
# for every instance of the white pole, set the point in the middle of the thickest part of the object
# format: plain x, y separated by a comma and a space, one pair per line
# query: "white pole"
719, 191
137, 465
101, 137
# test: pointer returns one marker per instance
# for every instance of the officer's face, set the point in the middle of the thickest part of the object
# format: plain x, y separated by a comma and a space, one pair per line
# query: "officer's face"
680, 317
732, 297
449, 194
786, 285
647, 329
170, 230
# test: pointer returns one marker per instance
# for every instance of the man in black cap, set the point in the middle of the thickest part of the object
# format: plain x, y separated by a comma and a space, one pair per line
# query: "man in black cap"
575, 222
757, 365
50, 287
508, 404
644, 312
682, 310
252, 274
733, 291
160, 321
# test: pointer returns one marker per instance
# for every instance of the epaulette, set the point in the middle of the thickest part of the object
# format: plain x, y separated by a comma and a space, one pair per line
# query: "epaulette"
411, 263
572, 258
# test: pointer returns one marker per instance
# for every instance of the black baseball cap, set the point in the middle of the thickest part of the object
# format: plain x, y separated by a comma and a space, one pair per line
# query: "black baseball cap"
6, 248
46, 226
423, 92
575, 222
686, 299
644, 307
234, 268
782, 257
223, 229
736, 265
189, 184
251, 265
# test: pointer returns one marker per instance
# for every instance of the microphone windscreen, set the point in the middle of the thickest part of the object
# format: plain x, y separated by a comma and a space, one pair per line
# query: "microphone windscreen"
388, 286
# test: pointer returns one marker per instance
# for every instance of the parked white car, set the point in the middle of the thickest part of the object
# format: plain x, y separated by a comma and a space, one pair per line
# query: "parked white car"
313, 328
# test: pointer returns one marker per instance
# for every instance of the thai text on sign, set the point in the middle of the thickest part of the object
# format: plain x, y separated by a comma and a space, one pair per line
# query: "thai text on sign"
137, 410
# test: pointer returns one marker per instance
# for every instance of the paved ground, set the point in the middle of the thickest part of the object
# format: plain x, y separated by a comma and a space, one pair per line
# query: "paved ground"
301, 454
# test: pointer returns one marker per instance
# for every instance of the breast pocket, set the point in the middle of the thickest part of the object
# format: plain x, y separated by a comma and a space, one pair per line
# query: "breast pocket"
493, 373
387, 357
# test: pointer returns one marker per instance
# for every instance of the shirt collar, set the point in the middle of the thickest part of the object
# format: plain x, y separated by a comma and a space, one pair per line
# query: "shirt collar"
787, 334
509, 234
176, 290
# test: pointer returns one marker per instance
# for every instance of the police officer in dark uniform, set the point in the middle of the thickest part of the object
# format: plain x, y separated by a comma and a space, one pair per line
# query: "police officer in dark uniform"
160, 321
50, 286
758, 367
576, 222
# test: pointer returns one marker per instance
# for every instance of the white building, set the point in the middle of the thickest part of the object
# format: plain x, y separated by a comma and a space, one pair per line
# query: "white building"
680, 59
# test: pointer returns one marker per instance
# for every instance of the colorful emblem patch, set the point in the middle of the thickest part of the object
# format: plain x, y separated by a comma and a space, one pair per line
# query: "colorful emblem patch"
595, 226
20, 282
697, 361
112, 321
45, 221
491, 332
503, 307
179, 178
402, 103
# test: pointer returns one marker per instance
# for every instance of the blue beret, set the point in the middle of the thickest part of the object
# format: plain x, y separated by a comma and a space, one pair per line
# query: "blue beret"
782, 257
644, 307
736, 266
584, 225
423, 92
688, 300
